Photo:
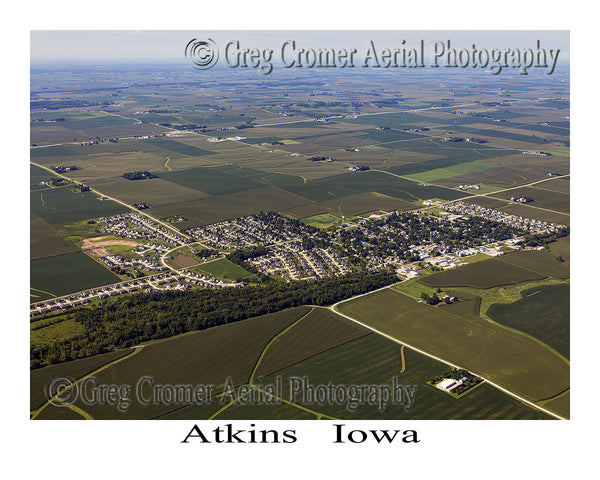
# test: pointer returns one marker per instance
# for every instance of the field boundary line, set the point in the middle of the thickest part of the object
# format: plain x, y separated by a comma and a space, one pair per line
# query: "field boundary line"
135, 349
266, 347
447, 362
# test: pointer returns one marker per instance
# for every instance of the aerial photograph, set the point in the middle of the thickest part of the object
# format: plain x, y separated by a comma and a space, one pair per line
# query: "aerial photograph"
300, 225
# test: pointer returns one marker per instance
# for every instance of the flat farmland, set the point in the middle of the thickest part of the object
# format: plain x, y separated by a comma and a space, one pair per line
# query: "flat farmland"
537, 261
302, 168
370, 181
68, 273
451, 171
560, 184
320, 331
46, 241
200, 358
542, 312
305, 211
513, 360
60, 206
239, 204
53, 151
485, 274
541, 197
535, 213
84, 120
74, 369
499, 177
179, 147
561, 248
105, 165
216, 180
155, 191
351, 205
372, 359
398, 121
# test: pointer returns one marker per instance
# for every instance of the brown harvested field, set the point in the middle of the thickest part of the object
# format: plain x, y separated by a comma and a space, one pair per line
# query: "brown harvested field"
321, 330
185, 261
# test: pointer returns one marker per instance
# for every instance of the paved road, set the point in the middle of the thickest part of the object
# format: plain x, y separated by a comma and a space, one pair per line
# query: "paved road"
114, 199
442, 360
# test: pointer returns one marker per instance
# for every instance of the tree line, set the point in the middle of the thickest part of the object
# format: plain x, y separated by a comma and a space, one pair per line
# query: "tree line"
121, 322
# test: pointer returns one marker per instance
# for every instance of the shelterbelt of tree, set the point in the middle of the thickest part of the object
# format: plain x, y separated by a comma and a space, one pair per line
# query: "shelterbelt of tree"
130, 320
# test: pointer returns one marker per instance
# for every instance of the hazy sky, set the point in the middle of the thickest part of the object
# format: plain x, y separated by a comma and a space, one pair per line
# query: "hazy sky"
147, 45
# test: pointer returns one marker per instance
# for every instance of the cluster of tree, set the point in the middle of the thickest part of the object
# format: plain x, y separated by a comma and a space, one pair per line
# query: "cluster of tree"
320, 159
434, 299
244, 125
139, 175
395, 234
543, 239
207, 252
121, 322
142, 206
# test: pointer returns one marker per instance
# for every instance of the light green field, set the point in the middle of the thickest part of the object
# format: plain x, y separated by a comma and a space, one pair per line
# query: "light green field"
452, 171
324, 220
223, 268
515, 361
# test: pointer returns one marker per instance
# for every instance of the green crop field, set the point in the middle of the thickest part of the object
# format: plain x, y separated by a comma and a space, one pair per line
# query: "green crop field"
484, 274
366, 202
178, 147
515, 361
214, 181
452, 171
537, 261
561, 248
68, 273
45, 241
321, 330
200, 358
60, 206
74, 369
543, 312
155, 191
537, 214
222, 207
223, 268
373, 360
